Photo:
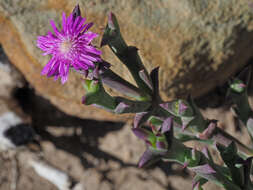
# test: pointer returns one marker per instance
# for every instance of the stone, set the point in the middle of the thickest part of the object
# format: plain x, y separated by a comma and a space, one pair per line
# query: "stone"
197, 44
10, 77
10, 80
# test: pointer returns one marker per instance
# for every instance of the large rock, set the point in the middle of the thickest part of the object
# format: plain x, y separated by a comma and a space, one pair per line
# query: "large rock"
197, 44
10, 80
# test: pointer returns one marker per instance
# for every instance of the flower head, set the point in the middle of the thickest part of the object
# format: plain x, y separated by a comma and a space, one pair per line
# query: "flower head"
70, 48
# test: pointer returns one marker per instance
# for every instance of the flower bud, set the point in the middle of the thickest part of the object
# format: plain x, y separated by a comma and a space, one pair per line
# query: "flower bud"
91, 86
76, 11
238, 86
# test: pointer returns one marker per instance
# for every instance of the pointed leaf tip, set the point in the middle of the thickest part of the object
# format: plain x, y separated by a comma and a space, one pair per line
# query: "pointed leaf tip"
250, 124
140, 118
112, 21
185, 165
145, 158
167, 124
121, 107
182, 107
111, 30
165, 106
143, 75
196, 186
204, 169
141, 133
183, 127
207, 133
83, 100
205, 152
168, 106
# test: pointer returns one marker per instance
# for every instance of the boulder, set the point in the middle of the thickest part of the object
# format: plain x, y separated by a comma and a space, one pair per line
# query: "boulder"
197, 44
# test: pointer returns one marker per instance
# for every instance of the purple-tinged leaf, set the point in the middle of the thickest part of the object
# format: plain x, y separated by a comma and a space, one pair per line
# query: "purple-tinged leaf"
161, 145
141, 133
184, 127
111, 21
84, 100
168, 106
205, 152
250, 126
165, 106
140, 118
167, 124
114, 81
178, 108
182, 107
196, 186
207, 133
185, 165
147, 156
148, 143
129, 106
121, 108
203, 169
197, 182
144, 76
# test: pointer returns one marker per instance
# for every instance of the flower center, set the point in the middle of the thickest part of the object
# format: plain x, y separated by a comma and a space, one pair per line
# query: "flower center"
65, 46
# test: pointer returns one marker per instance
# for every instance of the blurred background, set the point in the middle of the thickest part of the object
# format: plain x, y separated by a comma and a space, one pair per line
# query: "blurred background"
198, 45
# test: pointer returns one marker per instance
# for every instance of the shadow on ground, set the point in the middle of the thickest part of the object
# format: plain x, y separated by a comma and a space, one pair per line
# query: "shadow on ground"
85, 138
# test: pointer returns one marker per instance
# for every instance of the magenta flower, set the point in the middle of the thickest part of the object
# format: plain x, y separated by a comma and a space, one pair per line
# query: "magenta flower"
70, 48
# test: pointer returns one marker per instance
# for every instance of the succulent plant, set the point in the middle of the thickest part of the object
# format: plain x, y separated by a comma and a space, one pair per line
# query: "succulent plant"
165, 125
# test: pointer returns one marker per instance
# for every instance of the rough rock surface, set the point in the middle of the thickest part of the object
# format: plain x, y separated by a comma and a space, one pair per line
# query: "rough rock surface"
197, 44
10, 80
